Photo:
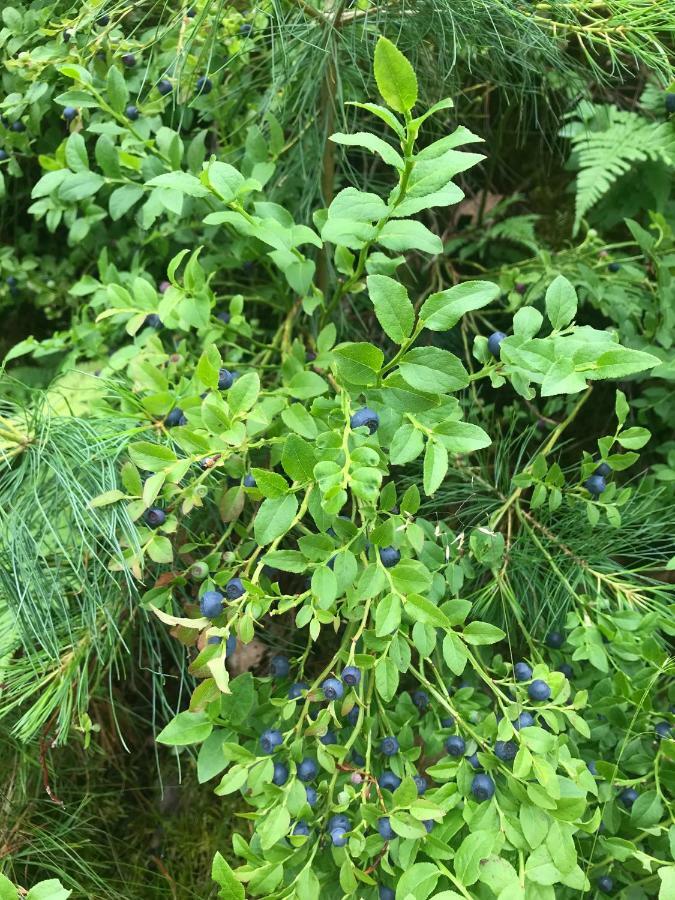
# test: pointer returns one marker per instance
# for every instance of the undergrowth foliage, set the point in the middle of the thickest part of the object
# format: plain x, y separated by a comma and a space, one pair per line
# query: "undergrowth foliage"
397, 744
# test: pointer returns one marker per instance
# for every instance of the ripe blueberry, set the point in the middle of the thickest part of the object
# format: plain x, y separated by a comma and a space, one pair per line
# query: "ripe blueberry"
131, 112
296, 690
628, 796
357, 759
604, 470
338, 837
230, 645
606, 884
455, 745
175, 417
152, 321
3, 155
69, 113
191, 13
522, 671
555, 640
129, 60
506, 750
280, 775
352, 716
482, 787
307, 769
339, 820
421, 700
389, 746
223, 316
164, 87
595, 485
103, 20
567, 670
428, 824
670, 103
279, 666
351, 676
662, 730
328, 738
539, 690
519, 287
389, 781
270, 740
301, 829
389, 556
234, 589
245, 29
473, 761
386, 893
494, 343
311, 794
524, 720
211, 604
154, 517
17, 126
385, 829
614, 266
420, 783
249, 481
332, 689
592, 768
204, 85
365, 417
447, 722
225, 380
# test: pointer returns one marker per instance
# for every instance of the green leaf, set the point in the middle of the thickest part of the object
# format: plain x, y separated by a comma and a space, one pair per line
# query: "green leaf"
401, 235
387, 615
406, 445
423, 610
275, 826
106, 498
183, 182
443, 310
211, 760
634, 438
647, 810
122, 199
298, 459
395, 77
7, 889
274, 518
474, 848
393, 308
76, 152
461, 437
621, 407
454, 653
482, 633
386, 678
358, 363
433, 370
561, 302
118, 93
151, 457
52, 889
222, 874
667, 876
244, 392
186, 728
620, 362
435, 467
270, 484
373, 143
419, 880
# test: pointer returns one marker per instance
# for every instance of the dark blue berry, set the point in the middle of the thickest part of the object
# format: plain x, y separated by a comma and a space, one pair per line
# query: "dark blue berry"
357, 759
296, 690
245, 29
482, 787
3, 155
421, 700
389, 556
628, 796
11, 281
332, 689
448, 722
386, 893
311, 794
129, 60
249, 481
606, 884
132, 113
17, 126
428, 824
567, 670
152, 321
234, 589
230, 645
352, 716
604, 470
307, 769
595, 485
339, 820
522, 671
555, 640
494, 343
328, 738
223, 316
154, 517
338, 837
538, 690
280, 775
69, 113
191, 13
662, 730
670, 103
473, 761
389, 746
384, 828
614, 266
455, 745
204, 85
270, 740
351, 676
420, 783
225, 380
301, 829
365, 417
164, 87
103, 20
279, 666
175, 417
211, 604
506, 750
524, 720
389, 781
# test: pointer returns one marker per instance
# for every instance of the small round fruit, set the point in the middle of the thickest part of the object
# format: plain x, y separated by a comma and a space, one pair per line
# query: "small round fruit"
595, 485
386, 893
175, 417
448, 722
249, 481
384, 828
670, 103
522, 671
69, 113
153, 321
154, 517
307, 769
129, 60
482, 787
614, 266
357, 759
628, 796
339, 820
524, 720
421, 784
297, 689
352, 716
339, 837
555, 640
279, 666
164, 87
389, 557
328, 738
389, 746
204, 85
211, 604
332, 689
604, 470
365, 417
455, 745
473, 761
230, 645
494, 343
191, 13
103, 20
301, 829
567, 670
506, 750
17, 126
519, 287
270, 740
280, 774
429, 825
388, 781
234, 589
592, 768
311, 794
3, 155
224, 317
606, 884
351, 676
662, 730
132, 113
225, 380
421, 700
539, 690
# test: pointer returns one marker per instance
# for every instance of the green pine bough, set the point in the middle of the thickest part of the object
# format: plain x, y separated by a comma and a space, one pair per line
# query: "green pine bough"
401, 747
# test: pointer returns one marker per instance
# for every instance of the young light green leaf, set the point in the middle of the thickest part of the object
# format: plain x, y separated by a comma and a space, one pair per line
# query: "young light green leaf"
393, 308
395, 77
443, 310
561, 302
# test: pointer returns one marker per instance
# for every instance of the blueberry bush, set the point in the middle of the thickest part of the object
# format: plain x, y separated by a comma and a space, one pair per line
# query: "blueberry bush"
343, 502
